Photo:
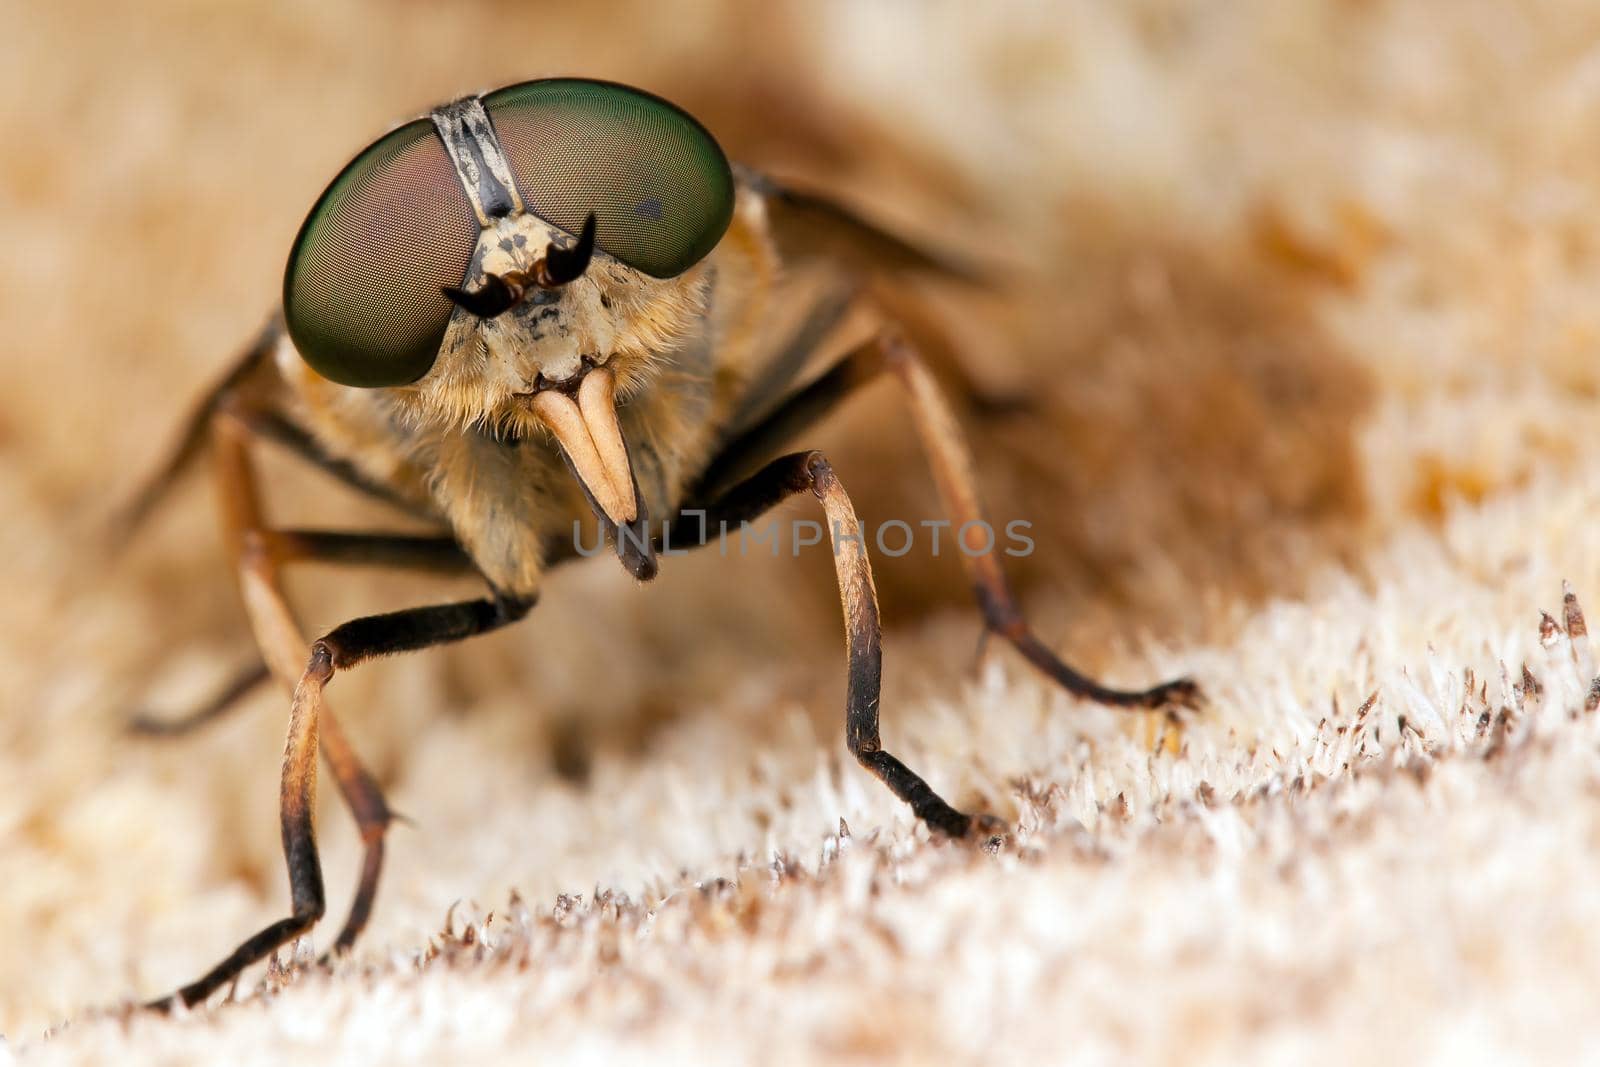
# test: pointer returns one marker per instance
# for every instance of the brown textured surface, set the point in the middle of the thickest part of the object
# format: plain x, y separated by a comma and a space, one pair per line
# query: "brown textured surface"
1301, 297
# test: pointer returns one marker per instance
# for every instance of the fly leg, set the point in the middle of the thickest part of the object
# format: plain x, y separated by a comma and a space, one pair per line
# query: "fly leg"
259, 553
309, 722
242, 380
232, 396
196, 428
245, 681
954, 474
810, 472
402, 551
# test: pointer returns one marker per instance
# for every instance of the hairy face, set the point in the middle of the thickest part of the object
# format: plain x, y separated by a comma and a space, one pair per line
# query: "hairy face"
613, 316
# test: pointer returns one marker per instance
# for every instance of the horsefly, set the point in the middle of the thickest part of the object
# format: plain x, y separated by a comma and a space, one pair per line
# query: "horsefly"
476, 317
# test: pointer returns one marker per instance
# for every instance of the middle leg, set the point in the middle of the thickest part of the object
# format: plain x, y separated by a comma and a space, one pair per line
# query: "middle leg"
433, 554
955, 477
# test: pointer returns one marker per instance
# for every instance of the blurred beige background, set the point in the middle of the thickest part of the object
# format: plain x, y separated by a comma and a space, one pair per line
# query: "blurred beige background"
1302, 299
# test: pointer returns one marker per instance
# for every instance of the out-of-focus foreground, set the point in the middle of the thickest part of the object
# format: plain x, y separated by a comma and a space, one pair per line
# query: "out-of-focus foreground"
1301, 298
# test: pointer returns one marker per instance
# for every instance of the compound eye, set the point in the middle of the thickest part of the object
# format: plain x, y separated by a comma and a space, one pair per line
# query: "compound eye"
361, 295
657, 182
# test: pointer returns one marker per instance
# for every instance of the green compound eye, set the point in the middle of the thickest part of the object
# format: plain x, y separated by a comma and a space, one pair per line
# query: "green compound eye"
361, 294
657, 182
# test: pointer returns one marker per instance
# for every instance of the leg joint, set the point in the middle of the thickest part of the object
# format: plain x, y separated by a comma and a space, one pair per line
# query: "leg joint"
897, 351
1000, 610
324, 658
255, 549
509, 607
818, 472
309, 913
863, 747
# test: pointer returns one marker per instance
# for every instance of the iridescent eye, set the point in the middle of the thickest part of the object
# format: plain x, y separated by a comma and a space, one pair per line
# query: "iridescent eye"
362, 292
657, 182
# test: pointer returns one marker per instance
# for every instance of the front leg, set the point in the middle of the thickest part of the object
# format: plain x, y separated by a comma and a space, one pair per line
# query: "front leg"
258, 553
342, 648
774, 483
297, 798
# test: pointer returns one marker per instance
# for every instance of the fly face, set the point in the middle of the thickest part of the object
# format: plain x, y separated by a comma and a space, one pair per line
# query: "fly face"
518, 261
549, 335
